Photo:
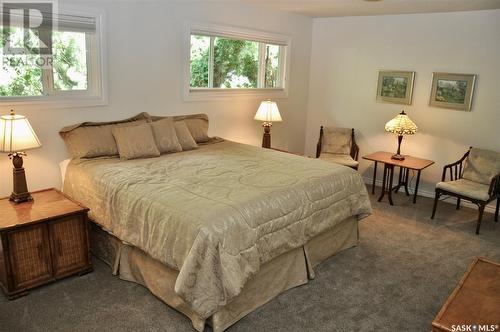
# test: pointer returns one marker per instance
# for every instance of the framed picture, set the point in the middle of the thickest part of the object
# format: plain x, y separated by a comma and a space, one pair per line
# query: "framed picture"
452, 91
395, 86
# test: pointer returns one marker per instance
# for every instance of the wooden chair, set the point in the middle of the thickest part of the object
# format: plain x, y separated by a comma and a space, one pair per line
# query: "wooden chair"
338, 145
474, 177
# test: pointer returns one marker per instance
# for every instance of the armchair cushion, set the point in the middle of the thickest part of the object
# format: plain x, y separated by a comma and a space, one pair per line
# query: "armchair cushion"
482, 165
464, 187
336, 140
342, 159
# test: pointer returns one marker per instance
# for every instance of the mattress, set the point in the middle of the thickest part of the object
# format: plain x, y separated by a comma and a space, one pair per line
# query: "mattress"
216, 214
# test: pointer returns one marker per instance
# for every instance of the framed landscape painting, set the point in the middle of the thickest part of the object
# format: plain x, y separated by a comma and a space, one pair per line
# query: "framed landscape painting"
395, 86
453, 91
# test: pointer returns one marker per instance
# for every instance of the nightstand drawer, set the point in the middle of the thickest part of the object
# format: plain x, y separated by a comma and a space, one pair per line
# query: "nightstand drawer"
68, 238
30, 253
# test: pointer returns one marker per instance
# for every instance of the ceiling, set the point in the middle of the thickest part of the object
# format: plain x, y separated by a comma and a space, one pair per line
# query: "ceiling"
329, 8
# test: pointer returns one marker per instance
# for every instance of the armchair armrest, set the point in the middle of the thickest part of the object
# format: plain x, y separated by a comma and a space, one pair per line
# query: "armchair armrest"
354, 146
494, 186
320, 140
455, 168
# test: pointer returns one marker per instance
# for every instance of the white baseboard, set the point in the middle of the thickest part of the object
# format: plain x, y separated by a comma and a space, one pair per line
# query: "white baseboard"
430, 194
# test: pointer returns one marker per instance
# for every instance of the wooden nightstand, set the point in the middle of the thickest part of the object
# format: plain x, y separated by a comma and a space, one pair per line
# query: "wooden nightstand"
42, 241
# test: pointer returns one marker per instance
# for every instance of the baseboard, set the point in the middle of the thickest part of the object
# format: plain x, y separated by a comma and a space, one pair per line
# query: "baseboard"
430, 194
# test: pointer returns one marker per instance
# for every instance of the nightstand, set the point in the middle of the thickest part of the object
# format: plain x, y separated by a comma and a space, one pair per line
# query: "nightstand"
42, 241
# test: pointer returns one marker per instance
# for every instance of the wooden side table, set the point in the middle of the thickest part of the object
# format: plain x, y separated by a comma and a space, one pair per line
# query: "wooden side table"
408, 163
475, 302
41, 241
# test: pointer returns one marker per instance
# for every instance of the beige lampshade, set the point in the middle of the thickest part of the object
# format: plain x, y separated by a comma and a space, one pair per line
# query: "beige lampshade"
16, 134
268, 112
401, 125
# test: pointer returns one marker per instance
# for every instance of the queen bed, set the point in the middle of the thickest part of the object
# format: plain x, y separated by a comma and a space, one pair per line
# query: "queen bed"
217, 231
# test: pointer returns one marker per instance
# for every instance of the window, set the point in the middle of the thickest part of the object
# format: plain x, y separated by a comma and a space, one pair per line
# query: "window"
226, 61
65, 71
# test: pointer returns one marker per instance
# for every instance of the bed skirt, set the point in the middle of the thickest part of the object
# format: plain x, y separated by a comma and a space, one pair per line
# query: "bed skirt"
286, 271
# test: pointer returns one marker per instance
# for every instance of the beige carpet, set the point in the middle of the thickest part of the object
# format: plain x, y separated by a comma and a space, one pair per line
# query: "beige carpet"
395, 280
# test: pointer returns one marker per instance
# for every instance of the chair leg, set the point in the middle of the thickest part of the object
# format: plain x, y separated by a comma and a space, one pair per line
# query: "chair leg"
480, 218
436, 199
498, 208
458, 203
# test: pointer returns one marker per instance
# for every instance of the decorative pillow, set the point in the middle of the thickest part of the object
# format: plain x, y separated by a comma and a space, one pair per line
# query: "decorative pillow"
482, 166
336, 140
135, 142
165, 136
196, 123
95, 139
184, 136
198, 129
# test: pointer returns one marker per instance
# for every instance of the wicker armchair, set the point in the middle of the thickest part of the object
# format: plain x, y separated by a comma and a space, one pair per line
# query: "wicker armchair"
338, 145
475, 177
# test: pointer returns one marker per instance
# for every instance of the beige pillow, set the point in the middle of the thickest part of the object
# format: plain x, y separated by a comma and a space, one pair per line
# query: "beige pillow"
198, 129
165, 136
95, 139
337, 140
482, 165
196, 123
184, 136
135, 142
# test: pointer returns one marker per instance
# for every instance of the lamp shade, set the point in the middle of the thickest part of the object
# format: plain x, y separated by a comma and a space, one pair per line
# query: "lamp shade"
401, 125
16, 134
268, 112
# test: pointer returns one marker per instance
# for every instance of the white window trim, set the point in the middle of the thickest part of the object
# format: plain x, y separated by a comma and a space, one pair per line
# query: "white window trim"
97, 95
190, 94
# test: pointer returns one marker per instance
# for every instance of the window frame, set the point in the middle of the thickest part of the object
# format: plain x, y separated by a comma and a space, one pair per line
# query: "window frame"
96, 92
208, 29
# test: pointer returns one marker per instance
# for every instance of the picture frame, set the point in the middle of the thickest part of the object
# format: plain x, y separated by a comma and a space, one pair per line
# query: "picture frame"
453, 91
395, 86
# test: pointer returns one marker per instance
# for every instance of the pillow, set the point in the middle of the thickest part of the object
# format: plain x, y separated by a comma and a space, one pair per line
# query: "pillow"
198, 129
165, 136
135, 142
184, 136
337, 140
196, 123
482, 166
95, 139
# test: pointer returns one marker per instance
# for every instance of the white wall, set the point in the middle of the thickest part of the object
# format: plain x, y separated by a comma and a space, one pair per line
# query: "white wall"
348, 52
145, 74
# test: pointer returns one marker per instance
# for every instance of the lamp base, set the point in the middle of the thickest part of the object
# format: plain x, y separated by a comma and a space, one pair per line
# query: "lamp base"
20, 198
20, 192
266, 137
398, 156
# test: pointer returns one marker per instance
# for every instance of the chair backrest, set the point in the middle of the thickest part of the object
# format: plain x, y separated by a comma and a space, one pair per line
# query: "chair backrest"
336, 140
482, 165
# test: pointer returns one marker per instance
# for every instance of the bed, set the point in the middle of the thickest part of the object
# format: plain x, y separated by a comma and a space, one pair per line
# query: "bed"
218, 231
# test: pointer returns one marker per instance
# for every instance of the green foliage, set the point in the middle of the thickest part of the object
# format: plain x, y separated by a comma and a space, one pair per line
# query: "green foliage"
27, 78
67, 54
235, 62
199, 62
272, 64
23, 73
394, 87
235, 58
451, 91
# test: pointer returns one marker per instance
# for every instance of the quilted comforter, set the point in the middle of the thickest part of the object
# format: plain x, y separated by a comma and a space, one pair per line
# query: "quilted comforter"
217, 213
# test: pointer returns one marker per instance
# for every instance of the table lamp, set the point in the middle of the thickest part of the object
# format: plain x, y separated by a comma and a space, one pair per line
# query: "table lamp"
17, 136
269, 113
401, 125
